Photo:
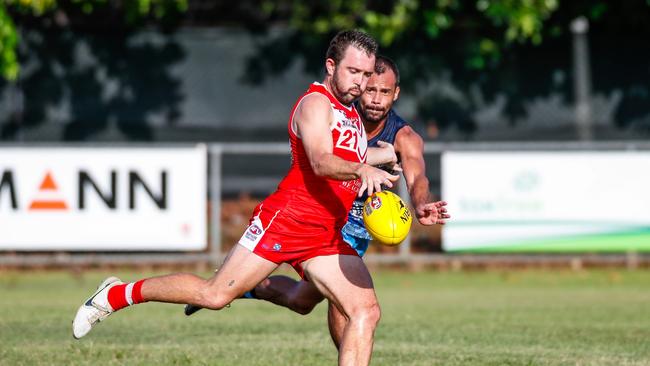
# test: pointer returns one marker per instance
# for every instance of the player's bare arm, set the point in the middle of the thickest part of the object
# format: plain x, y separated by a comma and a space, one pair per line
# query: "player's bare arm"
383, 155
410, 147
312, 120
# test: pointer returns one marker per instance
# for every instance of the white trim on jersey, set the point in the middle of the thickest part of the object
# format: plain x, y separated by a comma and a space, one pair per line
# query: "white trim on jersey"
293, 125
329, 91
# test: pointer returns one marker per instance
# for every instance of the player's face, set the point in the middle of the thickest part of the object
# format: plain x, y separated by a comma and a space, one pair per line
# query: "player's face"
351, 75
379, 96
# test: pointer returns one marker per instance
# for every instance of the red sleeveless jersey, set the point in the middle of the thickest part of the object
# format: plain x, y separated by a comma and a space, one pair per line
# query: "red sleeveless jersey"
319, 200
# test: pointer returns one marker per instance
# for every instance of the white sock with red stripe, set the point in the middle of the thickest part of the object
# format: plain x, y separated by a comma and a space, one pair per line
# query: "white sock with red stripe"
124, 295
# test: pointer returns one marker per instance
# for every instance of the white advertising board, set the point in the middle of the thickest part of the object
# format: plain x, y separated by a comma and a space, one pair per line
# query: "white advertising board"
103, 199
547, 201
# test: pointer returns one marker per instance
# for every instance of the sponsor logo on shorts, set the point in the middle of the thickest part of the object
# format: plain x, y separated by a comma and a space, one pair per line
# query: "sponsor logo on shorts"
252, 232
255, 230
277, 247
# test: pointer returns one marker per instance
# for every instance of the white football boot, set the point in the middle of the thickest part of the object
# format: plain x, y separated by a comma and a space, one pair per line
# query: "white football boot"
95, 309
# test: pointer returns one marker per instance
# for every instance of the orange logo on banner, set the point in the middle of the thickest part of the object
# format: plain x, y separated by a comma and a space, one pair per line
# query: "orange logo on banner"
48, 184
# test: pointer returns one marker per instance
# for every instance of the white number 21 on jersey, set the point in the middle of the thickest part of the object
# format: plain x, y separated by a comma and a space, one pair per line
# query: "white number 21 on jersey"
348, 140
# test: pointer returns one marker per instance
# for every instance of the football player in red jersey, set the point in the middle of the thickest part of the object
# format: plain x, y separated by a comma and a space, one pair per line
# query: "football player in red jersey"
382, 124
301, 222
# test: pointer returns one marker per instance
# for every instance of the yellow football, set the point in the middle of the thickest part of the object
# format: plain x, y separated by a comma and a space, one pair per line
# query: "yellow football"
387, 218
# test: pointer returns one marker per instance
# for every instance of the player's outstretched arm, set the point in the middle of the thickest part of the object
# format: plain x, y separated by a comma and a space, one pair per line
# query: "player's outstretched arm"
411, 149
312, 120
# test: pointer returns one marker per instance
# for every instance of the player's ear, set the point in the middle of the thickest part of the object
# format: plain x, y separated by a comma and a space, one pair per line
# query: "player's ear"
396, 95
330, 66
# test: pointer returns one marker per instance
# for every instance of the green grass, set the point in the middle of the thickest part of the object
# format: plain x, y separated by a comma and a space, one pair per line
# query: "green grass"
430, 318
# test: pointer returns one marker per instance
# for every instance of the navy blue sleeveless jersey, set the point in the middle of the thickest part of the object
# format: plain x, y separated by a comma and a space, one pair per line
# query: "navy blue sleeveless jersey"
354, 226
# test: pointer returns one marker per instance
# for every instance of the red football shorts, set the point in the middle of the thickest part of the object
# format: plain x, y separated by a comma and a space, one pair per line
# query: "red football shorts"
280, 237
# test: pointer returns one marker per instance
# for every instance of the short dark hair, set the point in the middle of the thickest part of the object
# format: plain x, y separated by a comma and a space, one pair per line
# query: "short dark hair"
346, 38
382, 63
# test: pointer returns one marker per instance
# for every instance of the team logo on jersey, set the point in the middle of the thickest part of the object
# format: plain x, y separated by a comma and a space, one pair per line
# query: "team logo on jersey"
345, 122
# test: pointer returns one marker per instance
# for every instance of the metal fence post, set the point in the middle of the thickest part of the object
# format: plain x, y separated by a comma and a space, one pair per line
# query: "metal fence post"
582, 78
215, 177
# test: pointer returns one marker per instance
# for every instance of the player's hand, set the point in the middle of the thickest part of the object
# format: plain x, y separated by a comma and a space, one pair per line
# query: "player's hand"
372, 178
432, 213
387, 155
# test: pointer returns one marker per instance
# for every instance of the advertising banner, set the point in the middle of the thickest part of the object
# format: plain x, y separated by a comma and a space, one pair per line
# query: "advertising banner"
103, 199
547, 201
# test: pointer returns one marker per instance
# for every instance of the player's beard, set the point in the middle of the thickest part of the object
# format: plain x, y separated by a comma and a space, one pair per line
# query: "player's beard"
374, 114
345, 96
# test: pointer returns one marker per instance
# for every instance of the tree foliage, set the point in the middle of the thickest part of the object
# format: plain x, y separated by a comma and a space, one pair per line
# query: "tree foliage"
134, 12
516, 20
489, 50
511, 20
497, 24
516, 50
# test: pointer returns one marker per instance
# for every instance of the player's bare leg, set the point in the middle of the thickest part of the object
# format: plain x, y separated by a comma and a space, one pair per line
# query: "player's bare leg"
299, 296
239, 273
336, 322
344, 280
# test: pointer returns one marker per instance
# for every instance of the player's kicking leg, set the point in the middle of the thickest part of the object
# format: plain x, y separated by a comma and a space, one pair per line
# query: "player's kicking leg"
345, 281
300, 296
241, 271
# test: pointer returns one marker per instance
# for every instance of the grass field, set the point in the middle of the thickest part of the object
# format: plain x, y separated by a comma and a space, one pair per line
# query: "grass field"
430, 318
